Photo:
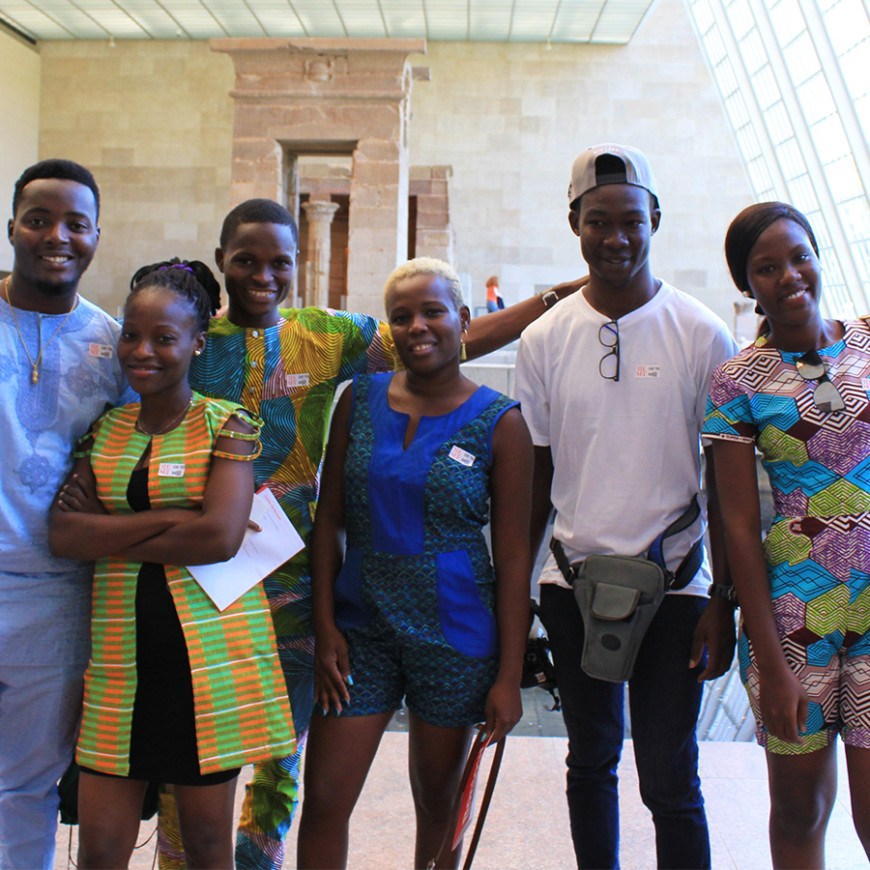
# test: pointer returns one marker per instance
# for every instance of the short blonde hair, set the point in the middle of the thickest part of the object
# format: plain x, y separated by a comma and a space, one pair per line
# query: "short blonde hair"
427, 266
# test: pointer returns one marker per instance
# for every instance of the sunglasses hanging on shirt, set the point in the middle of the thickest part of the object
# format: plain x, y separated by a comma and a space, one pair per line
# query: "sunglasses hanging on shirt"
826, 396
608, 337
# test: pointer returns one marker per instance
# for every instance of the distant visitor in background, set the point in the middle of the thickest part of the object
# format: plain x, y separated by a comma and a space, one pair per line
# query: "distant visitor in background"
494, 302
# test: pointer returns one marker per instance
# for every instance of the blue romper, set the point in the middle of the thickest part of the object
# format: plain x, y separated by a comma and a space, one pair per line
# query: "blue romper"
415, 597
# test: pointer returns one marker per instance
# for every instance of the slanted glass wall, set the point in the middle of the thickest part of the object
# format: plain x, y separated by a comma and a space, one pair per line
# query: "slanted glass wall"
793, 76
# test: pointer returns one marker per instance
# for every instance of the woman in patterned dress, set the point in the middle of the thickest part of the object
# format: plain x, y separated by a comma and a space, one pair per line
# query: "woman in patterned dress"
176, 691
414, 609
800, 395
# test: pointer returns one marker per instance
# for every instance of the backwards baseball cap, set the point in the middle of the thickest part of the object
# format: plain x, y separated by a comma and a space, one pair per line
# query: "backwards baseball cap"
610, 164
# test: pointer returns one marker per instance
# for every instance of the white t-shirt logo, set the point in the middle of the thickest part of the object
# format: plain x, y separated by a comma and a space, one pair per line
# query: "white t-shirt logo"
648, 371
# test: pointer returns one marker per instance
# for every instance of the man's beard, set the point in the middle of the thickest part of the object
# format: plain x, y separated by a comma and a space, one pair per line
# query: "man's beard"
56, 289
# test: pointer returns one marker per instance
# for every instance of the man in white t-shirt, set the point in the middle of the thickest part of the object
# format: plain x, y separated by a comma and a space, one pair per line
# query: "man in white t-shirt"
613, 385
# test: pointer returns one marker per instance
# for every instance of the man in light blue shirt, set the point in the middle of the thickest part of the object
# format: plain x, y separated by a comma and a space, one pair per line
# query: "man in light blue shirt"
58, 372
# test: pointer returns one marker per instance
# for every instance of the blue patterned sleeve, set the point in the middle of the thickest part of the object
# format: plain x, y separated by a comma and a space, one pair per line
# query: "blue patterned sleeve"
729, 412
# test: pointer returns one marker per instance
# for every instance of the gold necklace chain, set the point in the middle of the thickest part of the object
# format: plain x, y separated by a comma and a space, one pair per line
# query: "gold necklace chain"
163, 430
34, 363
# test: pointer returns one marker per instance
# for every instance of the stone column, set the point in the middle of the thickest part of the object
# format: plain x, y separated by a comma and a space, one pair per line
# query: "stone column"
318, 256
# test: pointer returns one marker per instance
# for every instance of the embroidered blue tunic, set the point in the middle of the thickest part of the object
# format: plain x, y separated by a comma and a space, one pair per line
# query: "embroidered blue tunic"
416, 594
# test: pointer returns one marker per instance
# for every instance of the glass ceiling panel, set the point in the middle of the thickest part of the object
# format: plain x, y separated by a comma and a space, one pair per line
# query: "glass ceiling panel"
847, 25
362, 18
278, 18
31, 24
787, 19
816, 99
150, 18
824, 158
189, 17
580, 19
319, 18
778, 125
404, 17
736, 109
235, 17
113, 20
801, 58
703, 15
727, 79
491, 20
618, 21
741, 18
448, 19
62, 16
766, 90
533, 19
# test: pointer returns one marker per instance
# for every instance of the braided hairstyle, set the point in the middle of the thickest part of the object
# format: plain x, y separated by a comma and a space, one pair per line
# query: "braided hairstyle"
190, 279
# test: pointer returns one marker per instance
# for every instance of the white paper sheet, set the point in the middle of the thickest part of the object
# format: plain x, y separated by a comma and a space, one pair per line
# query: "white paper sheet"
260, 554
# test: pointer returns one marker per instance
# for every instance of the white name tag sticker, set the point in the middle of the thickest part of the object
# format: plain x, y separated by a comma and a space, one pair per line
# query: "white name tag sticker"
301, 379
463, 457
103, 351
171, 469
648, 371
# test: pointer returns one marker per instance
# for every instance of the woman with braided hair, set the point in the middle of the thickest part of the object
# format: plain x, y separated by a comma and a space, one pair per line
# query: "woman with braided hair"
176, 691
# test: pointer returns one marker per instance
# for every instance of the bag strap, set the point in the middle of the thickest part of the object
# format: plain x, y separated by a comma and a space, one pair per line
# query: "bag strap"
692, 560
676, 580
558, 551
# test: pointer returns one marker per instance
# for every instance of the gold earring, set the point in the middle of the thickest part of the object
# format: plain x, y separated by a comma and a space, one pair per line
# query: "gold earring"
463, 353
197, 352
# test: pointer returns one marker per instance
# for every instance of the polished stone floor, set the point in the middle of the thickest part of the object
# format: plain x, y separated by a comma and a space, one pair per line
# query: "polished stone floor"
527, 826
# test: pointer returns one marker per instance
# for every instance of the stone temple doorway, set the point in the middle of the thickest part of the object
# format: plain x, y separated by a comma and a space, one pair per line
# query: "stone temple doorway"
299, 97
318, 193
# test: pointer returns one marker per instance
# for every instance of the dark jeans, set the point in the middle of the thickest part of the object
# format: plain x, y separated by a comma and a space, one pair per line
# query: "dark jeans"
664, 699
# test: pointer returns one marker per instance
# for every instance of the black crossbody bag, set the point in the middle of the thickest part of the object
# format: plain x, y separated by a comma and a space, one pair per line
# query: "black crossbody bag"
618, 597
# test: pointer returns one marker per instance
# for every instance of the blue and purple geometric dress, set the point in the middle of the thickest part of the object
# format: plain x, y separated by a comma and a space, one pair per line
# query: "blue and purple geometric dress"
818, 546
